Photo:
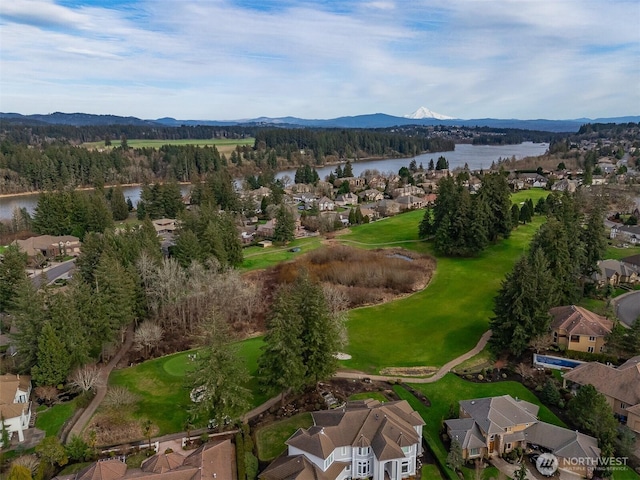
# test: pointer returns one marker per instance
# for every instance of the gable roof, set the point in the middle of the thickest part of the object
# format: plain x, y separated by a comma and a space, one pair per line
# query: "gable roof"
496, 414
297, 467
620, 383
105, 470
162, 462
562, 441
579, 321
9, 386
466, 432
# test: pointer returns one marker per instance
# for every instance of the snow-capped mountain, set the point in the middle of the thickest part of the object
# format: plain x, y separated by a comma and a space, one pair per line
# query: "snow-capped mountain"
424, 112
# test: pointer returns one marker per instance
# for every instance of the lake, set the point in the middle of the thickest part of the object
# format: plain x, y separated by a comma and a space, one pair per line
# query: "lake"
476, 156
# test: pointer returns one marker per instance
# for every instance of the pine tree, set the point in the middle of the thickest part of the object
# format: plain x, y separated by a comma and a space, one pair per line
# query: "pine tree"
515, 214
219, 378
53, 363
284, 231
281, 366
595, 242
11, 273
119, 206
187, 248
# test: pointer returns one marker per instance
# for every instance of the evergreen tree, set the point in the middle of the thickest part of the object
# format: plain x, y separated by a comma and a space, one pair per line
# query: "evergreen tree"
496, 195
11, 273
28, 311
426, 227
284, 231
219, 378
550, 394
352, 217
591, 412
53, 363
526, 213
515, 214
187, 248
454, 458
595, 241
348, 170
119, 206
281, 367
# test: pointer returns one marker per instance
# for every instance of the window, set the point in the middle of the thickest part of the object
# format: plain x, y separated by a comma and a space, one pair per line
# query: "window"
405, 467
328, 461
507, 446
623, 405
362, 451
590, 349
592, 339
406, 450
344, 450
575, 338
474, 452
363, 467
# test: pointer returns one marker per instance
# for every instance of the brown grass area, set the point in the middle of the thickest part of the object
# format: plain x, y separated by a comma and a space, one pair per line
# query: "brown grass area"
365, 276
115, 426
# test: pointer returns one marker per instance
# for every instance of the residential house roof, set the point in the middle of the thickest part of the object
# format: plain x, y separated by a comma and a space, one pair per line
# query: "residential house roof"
162, 462
466, 432
297, 467
495, 414
620, 383
609, 268
34, 245
111, 469
9, 386
562, 441
579, 321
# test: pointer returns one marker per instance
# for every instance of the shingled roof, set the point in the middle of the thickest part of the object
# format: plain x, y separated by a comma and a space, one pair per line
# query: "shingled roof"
9, 385
620, 383
495, 414
579, 321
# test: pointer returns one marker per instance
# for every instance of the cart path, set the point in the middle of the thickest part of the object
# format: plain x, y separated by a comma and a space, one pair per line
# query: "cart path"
446, 368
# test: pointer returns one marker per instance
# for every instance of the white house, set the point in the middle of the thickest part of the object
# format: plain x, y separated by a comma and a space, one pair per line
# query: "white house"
365, 439
15, 406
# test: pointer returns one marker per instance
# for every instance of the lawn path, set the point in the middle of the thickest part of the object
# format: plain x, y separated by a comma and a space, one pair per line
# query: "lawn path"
446, 368
101, 390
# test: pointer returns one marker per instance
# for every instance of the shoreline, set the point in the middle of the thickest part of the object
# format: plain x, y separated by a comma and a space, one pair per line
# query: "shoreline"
24, 194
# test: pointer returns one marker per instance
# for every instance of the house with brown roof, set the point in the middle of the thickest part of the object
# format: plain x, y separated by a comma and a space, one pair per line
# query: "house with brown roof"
365, 439
615, 272
489, 427
208, 462
49, 246
15, 406
620, 385
576, 328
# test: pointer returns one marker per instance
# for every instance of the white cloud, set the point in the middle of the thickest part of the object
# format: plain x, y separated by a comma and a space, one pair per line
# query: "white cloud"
192, 59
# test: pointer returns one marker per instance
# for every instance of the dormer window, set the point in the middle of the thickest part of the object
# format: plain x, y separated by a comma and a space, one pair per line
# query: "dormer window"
362, 451
328, 461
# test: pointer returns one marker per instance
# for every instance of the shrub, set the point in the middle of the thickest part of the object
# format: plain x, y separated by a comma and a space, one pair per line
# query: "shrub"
119, 397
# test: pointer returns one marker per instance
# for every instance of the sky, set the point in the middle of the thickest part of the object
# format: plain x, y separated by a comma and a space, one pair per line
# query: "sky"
238, 59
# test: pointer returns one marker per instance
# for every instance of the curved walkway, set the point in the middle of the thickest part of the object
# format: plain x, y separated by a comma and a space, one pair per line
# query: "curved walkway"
101, 390
446, 368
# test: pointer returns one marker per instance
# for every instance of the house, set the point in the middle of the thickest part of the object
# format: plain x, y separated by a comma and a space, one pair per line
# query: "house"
210, 461
347, 199
489, 427
355, 183
409, 202
267, 229
576, 328
326, 204
565, 185
615, 272
365, 439
621, 387
49, 246
164, 225
377, 182
15, 406
371, 195
387, 208
430, 199
406, 190
626, 233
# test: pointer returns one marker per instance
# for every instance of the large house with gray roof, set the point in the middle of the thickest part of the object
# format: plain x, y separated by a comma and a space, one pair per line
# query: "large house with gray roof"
489, 427
365, 439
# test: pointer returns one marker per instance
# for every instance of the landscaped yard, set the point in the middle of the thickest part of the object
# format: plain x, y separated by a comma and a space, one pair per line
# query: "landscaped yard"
52, 419
163, 395
620, 253
256, 258
444, 320
366, 395
447, 392
270, 438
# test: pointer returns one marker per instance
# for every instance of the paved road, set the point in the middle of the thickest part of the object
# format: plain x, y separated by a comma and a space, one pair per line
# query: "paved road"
627, 307
54, 272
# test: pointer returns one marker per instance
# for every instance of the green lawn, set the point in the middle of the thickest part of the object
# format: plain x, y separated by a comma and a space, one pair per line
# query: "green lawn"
444, 320
625, 473
619, 253
534, 194
256, 258
52, 419
270, 438
145, 143
163, 396
366, 395
449, 391
391, 229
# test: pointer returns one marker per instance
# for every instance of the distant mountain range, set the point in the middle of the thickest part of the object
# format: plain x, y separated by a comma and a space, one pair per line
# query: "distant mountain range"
422, 116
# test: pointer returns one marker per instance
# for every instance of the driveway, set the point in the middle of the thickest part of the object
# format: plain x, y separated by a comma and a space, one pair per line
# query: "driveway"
53, 272
627, 307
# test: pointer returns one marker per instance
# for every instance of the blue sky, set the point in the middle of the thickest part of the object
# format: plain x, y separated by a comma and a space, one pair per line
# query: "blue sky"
232, 59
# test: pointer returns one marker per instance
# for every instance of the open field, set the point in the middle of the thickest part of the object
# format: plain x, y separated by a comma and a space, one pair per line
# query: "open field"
441, 322
163, 397
224, 145
533, 193
620, 253
256, 258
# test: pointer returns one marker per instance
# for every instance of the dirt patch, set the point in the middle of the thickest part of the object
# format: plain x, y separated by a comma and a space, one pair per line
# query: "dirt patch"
409, 371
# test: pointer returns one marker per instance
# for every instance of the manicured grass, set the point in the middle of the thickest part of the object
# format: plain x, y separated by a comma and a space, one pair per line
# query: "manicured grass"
52, 419
163, 395
256, 258
431, 471
366, 395
399, 228
534, 194
270, 439
484, 359
626, 473
616, 253
444, 320
448, 391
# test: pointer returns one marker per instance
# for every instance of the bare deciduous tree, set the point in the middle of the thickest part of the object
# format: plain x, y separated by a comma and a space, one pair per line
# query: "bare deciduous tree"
86, 378
147, 336
524, 371
541, 342
47, 393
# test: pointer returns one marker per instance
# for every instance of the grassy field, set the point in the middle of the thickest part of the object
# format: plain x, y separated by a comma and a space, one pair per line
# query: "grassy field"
619, 253
270, 438
52, 419
449, 391
534, 194
163, 396
444, 320
224, 145
256, 258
